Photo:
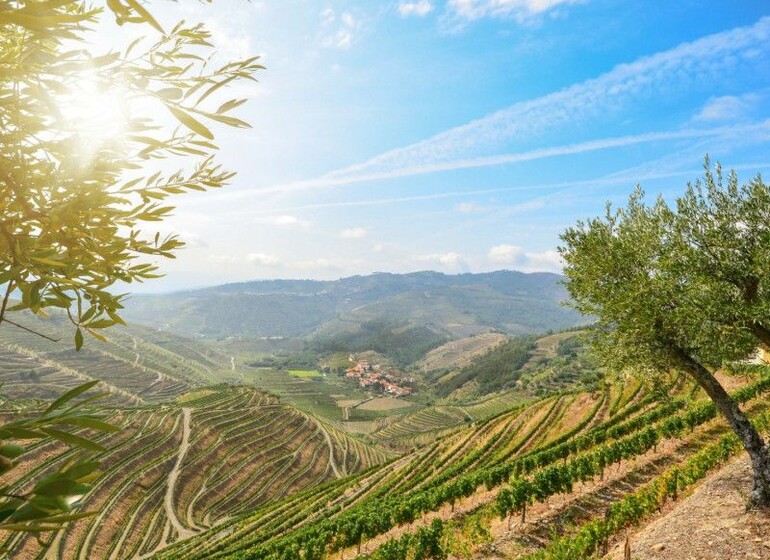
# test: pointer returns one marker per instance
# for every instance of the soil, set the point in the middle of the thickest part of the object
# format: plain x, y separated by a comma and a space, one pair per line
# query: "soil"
384, 403
710, 524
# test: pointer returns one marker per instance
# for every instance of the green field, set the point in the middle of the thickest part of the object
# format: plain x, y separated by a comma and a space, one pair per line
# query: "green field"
305, 373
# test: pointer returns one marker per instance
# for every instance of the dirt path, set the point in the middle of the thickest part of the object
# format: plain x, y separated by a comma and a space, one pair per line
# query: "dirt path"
715, 520
168, 502
346, 410
332, 462
232, 363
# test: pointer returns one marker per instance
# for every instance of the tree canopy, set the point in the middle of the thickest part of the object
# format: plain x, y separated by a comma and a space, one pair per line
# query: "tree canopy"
87, 162
680, 287
85, 156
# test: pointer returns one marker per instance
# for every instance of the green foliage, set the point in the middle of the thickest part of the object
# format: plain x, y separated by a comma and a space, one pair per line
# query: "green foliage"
548, 469
589, 539
497, 369
681, 289
569, 347
574, 367
52, 500
666, 281
299, 360
402, 342
81, 181
78, 190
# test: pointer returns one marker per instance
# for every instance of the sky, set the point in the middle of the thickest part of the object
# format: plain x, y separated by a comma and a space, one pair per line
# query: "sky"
462, 135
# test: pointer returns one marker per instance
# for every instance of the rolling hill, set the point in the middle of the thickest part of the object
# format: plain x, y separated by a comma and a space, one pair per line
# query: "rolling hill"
452, 306
205, 469
554, 478
136, 365
178, 469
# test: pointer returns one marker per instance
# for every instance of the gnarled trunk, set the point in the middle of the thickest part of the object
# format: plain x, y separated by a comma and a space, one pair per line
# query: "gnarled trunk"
762, 334
752, 441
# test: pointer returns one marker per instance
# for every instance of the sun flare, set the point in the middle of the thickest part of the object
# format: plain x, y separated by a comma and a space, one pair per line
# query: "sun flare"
95, 115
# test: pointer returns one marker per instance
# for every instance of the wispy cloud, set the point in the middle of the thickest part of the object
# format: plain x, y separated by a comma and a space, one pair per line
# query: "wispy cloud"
421, 8
286, 220
678, 69
521, 10
338, 31
376, 171
468, 207
353, 233
727, 108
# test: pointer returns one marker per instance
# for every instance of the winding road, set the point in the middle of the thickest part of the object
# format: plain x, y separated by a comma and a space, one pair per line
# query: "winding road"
183, 531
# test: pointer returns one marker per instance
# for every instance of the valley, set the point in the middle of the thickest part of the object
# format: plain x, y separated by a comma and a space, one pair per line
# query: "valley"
410, 280
503, 446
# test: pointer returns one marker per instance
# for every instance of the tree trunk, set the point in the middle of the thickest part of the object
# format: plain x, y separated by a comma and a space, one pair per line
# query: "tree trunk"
752, 441
762, 334
627, 548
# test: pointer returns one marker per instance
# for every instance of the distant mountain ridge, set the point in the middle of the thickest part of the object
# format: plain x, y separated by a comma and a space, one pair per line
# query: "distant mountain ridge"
452, 305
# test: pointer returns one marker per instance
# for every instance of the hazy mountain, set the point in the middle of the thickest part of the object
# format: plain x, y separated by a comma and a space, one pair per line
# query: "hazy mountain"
451, 305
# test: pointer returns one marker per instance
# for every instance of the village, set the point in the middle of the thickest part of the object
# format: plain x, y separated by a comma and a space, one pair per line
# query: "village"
374, 376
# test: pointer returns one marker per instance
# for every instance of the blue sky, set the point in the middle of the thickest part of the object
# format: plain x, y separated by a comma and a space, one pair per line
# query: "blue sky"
463, 135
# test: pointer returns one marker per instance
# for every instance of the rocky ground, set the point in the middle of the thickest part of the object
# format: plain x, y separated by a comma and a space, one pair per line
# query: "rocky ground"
710, 524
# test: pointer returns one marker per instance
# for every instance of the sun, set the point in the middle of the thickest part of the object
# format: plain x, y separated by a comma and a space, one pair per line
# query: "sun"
94, 116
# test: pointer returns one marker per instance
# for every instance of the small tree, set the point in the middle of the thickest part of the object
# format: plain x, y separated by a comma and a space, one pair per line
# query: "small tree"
656, 313
79, 176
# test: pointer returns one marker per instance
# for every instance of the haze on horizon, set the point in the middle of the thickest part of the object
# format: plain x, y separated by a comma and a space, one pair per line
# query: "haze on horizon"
462, 135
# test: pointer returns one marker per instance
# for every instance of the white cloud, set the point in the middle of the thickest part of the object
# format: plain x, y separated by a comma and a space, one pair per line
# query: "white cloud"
193, 240
421, 8
450, 260
328, 16
353, 233
286, 220
627, 85
348, 19
353, 174
727, 108
520, 10
468, 207
344, 35
517, 257
273, 261
547, 261
231, 41
263, 259
505, 254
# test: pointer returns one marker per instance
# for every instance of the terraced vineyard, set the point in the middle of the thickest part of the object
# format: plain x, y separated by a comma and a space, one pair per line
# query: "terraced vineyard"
531, 453
409, 487
205, 470
136, 365
176, 470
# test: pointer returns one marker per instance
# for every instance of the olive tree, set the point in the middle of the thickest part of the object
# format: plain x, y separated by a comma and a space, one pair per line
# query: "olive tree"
76, 190
723, 234
87, 162
631, 269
